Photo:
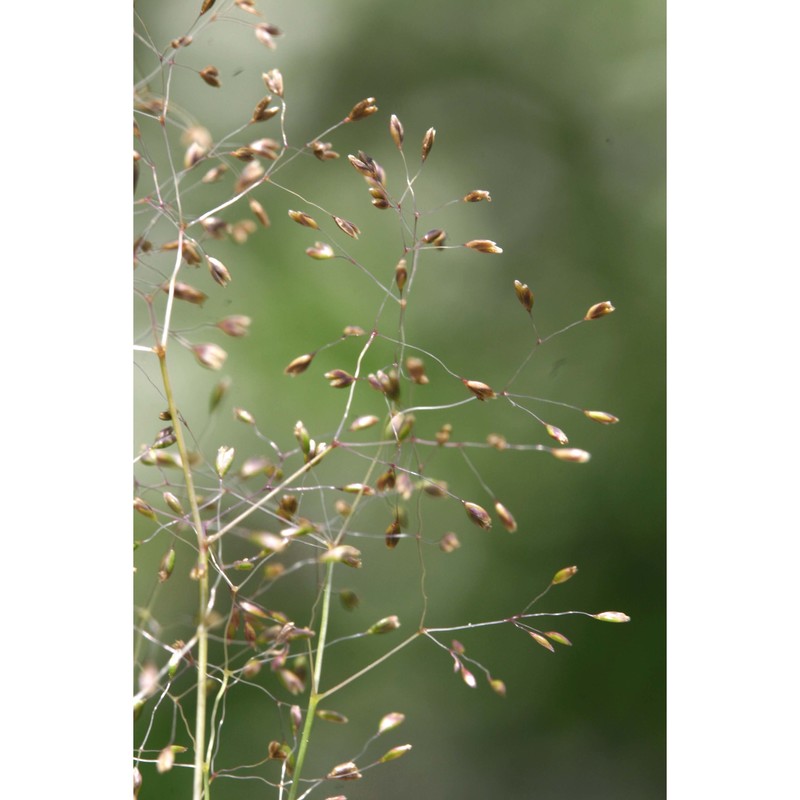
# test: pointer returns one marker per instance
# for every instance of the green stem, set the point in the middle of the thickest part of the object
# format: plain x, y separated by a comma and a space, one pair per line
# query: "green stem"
200, 765
316, 675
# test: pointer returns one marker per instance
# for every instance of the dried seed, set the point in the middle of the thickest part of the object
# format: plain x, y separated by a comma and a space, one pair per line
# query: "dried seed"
206, 5
435, 237
392, 534
265, 147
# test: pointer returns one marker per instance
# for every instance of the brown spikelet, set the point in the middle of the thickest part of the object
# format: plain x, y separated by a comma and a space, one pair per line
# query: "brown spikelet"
211, 76
303, 219
262, 112
183, 291
524, 295
602, 416
484, 246
481, 390
299, 364
478, 515
401, 274
274, 81
427, 142
396, 130
348, 227
258, 211
599, 310
362, 109
206, 5
476, 195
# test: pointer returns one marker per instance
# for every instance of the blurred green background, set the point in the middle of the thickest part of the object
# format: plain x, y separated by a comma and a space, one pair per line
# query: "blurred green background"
558, 109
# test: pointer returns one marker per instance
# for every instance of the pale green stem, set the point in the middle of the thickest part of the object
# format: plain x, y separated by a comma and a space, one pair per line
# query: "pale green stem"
200, 767
316, 675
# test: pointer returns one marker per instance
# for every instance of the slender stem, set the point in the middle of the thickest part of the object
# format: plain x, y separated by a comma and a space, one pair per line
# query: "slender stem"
316, 675
370, 666
200, 765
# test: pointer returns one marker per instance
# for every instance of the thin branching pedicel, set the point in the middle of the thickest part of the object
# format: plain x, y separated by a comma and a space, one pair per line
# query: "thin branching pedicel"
229, 526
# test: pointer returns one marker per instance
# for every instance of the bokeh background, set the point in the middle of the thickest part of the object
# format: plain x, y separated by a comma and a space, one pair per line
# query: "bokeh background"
557, 108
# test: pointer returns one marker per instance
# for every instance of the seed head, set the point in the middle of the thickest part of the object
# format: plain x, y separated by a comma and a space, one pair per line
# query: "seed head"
344, 772
262, 112
599, 310
476, 195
